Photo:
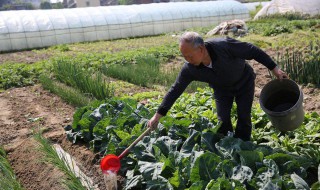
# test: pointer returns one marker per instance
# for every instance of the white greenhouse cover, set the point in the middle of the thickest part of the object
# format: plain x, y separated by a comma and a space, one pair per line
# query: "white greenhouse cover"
29, 29
311, 7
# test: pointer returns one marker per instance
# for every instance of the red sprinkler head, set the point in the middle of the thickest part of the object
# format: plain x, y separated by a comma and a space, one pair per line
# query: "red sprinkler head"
111, 163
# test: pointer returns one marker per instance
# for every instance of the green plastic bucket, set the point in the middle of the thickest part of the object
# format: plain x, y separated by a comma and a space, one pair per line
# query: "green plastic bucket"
282, 100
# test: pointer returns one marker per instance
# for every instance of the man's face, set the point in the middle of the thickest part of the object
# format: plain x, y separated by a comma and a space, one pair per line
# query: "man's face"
193, 55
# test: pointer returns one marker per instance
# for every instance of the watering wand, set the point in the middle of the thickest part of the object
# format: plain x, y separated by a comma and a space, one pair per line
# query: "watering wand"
112, 163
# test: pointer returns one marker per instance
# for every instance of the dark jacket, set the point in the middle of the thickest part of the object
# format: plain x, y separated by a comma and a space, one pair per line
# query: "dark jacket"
229, 70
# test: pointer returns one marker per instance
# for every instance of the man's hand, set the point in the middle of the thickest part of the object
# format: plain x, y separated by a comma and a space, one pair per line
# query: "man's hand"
154, 121
279, 73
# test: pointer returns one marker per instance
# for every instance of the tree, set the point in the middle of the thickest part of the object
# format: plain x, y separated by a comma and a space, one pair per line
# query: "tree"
3, 2
58, 5
45, 5
6, 7
29, 6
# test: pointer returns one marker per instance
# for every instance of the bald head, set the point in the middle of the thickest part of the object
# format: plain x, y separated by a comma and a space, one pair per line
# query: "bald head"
192, 38
192, 48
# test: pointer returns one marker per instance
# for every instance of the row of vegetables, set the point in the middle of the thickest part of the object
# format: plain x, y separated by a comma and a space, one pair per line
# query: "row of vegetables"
186, 152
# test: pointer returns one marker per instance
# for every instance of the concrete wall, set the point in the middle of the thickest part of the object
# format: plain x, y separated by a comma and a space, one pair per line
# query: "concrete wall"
88, 3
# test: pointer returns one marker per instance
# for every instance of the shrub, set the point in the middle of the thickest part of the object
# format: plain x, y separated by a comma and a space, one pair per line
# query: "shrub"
302, 65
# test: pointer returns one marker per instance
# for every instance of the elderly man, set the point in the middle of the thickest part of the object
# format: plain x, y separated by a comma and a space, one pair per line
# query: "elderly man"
222, 64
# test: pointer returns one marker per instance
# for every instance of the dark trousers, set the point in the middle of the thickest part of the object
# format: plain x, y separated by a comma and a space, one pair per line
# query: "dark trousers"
244, 99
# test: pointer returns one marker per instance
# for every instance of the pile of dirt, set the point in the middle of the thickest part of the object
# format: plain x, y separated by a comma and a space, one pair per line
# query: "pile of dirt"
237, 27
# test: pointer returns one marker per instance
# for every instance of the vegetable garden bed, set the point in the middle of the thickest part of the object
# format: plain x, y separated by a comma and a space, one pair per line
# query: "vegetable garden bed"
184, 148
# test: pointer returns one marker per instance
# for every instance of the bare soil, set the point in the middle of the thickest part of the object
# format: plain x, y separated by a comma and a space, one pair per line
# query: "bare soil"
29, 109
26, 109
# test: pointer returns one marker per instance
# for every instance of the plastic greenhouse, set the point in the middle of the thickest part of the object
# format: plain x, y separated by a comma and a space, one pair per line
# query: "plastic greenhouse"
311, 7
30, 29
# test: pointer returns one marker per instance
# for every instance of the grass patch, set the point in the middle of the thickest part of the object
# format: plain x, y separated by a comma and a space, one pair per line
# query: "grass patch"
51, 156
147, 71
8, 180
298, 38
302, 65
68, 94
108, 47
91, 83
276, 26
254, 12
288, 16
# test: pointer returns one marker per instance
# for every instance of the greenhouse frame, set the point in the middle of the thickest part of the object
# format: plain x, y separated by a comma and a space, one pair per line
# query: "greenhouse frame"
29, 29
